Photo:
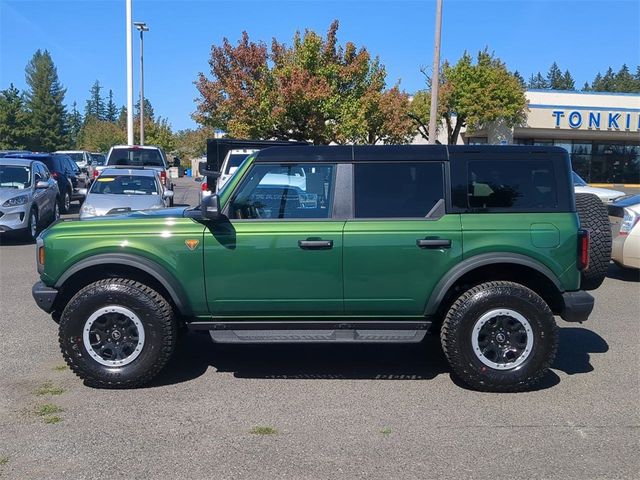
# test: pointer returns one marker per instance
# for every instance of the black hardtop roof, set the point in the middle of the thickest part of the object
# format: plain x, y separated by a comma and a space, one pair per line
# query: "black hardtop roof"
406, 153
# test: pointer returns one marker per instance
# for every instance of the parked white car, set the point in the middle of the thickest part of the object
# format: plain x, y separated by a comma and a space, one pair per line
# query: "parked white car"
625, 220
607, 196
122, 190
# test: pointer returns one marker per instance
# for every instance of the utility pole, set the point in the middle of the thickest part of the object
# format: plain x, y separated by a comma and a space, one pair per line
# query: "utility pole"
142, 27
129, 76
435, 77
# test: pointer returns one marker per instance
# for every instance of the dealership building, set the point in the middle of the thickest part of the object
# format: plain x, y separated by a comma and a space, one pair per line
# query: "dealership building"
601, 132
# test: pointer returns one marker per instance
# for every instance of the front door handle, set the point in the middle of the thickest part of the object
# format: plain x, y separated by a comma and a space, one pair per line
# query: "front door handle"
315, 244
433, 243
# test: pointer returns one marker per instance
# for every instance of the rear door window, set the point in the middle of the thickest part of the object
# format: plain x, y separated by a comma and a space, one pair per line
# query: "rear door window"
397, 190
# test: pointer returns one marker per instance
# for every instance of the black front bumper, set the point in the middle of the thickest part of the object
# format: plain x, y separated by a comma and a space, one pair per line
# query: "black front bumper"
44, 296
577, 306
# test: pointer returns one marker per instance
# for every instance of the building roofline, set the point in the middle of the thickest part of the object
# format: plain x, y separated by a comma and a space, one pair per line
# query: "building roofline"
614, 94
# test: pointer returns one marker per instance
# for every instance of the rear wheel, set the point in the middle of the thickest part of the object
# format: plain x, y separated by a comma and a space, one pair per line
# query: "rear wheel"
500, 336
595, 218
117, 333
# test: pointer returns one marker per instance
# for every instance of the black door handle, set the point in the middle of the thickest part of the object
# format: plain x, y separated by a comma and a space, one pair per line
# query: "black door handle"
315, 244
433, 243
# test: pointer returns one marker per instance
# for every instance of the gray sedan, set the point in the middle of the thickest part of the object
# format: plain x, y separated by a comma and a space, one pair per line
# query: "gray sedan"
29, 197
122, 190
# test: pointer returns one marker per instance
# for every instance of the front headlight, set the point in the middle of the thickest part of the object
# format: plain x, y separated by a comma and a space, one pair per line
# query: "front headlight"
15, 201
88, 210
629, 221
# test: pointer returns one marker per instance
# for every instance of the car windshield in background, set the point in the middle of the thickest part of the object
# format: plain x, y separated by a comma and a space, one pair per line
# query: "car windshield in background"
125, 185
577, 180
136, 156
76, 157
15, 177
98, 160
235, 159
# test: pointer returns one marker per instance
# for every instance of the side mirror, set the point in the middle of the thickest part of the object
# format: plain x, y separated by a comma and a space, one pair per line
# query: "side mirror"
167, 194
42, 184
202, 167
210, 207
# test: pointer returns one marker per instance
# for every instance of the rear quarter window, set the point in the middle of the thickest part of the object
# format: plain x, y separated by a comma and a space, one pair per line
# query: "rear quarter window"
518, 186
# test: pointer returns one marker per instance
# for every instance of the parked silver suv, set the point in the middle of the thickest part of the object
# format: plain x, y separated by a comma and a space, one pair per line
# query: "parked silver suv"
29, 196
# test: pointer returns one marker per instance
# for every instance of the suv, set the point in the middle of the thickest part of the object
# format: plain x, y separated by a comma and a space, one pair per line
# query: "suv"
138, 156
72, 183
81, 157
482, 245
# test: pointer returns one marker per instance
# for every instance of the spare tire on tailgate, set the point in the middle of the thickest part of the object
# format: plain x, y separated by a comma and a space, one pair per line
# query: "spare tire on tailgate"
595, 218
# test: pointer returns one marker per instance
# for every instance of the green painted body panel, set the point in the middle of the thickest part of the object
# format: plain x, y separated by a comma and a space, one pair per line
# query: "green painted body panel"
549, 238
157, 238
256, 268
385, 273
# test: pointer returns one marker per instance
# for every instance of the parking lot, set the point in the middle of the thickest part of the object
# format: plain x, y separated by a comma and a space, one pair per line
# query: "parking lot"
347, 411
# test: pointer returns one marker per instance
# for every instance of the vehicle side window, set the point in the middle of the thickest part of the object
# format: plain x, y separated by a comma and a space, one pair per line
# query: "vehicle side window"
45, 172
73, 166
286, 191
37, 173
518, 186
397, 190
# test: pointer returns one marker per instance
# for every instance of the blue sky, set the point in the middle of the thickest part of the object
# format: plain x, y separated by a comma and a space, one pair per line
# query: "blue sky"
87, 38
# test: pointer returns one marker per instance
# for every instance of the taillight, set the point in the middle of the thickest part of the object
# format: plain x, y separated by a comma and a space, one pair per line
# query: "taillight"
55, 175
583, 249
204, 186
163, 177
96, 173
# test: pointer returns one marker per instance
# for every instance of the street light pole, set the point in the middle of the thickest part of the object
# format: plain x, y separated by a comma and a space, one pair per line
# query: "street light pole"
129, 75
435, 77
142, 27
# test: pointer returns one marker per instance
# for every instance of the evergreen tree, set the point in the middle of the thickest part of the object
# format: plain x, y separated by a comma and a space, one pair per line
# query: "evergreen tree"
122, 118
74, 125
14, 122
555, 78
567, 81
596, 85
149, 114
520, 79
95, 108
625, 81
45, 104
112, 110
605, 83
586, 87
538, 82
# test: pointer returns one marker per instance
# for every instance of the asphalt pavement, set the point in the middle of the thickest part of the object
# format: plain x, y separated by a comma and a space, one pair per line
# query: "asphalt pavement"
317, 412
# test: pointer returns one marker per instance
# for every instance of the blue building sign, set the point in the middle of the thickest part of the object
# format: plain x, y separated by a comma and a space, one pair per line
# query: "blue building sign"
597, 120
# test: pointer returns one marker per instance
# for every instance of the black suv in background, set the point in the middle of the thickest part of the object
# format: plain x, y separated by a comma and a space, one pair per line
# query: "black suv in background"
72, 183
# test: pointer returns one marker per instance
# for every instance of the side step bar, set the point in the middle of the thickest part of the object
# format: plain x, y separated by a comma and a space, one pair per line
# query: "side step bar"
314, 332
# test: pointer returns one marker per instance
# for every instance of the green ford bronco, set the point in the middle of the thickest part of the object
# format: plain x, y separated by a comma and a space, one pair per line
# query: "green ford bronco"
482, 245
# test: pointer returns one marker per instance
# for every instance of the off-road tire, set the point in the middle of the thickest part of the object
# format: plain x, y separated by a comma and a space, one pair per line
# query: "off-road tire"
595, 218
65, 202
155, 314
457, 330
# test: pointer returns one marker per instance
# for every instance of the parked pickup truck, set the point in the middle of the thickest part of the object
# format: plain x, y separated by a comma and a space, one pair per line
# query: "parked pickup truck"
481, 245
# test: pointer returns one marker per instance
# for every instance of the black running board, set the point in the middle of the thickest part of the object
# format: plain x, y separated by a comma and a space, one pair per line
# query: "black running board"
314, 332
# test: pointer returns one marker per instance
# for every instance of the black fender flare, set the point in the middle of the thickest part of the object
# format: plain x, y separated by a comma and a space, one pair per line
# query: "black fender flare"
168, 281
469, 264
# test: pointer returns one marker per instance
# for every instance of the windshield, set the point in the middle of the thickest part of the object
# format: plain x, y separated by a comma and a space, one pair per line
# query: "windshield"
15, 177
577, 180
76, 157
125, 185
235, 159
136, 156
98, 159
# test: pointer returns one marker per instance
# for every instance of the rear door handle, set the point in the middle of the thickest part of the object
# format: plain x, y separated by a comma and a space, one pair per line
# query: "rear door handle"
433, 243
315, 244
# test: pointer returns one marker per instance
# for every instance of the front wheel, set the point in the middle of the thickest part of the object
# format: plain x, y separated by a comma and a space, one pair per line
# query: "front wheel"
500, 336
117, 333
31, 232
